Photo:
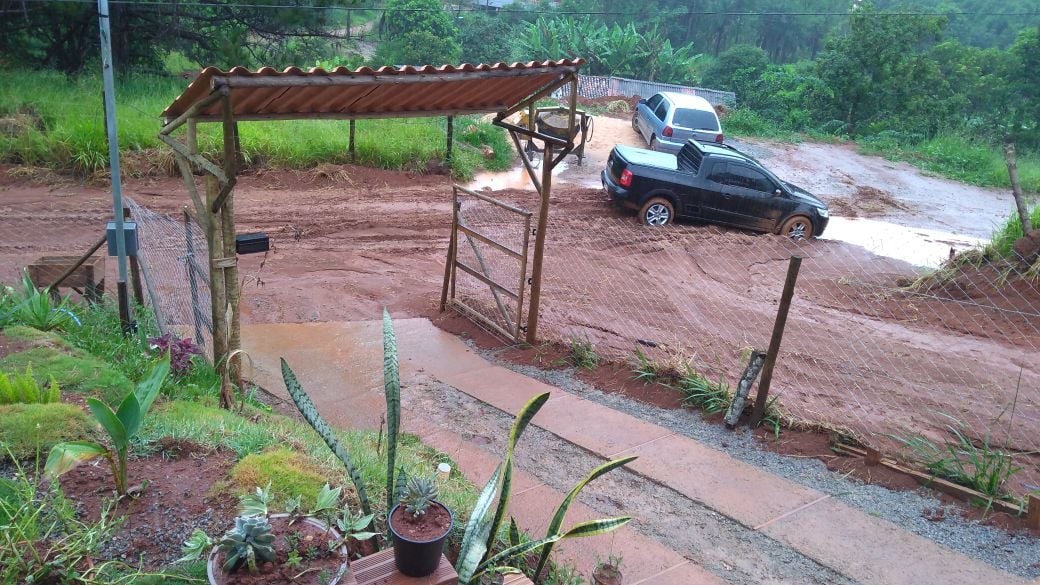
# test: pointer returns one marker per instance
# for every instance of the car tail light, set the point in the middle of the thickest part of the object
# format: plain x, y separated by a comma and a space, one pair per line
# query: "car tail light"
667, 131
626, 178
718, 138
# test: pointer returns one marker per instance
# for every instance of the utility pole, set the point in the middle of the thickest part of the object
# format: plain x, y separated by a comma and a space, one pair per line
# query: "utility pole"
113, 158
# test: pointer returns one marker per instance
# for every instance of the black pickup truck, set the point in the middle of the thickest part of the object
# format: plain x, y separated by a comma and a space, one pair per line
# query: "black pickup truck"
716, 184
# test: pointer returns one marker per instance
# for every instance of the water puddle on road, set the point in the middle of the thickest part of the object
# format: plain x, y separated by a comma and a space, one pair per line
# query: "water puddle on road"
916, 245
567, 172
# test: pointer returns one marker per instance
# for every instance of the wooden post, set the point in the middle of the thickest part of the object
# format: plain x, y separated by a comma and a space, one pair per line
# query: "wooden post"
217, 295
1033, 511
196, 311
1016, 187
747, 379
192, 138
135, 270
539, 245
774, 343
240, 159
452, 238
227, 228
451, 140
351, 149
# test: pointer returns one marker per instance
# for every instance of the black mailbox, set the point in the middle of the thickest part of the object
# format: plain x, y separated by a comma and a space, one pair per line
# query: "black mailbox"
252, 243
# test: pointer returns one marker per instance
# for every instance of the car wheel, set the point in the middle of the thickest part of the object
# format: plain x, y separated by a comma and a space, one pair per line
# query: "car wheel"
797, 228
653, 143
657, 211
635, 121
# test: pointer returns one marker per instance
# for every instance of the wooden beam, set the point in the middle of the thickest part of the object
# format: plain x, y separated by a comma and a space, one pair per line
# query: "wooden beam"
487, 240
494, 290
528, 165
492, 201
171, 125
762, 397
352, 148
250, 117
189, 181
57, 281
198, 159
532, 133
451, 140
528, 101
475, 274
239, 81
218, 300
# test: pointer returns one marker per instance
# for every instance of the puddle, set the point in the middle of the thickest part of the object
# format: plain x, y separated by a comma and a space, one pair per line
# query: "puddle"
517, 178
916, 245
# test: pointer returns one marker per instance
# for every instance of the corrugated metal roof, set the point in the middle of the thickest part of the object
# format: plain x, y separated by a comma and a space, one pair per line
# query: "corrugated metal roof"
370, 93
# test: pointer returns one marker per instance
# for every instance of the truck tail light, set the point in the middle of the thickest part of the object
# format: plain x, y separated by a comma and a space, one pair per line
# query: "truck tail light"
718, 138
667, 131
626, 178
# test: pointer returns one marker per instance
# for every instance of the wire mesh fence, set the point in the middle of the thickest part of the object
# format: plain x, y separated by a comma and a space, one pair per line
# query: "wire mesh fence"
175, 266
874, 348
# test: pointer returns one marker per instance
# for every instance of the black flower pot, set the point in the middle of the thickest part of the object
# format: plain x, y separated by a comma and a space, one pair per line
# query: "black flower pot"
418, 558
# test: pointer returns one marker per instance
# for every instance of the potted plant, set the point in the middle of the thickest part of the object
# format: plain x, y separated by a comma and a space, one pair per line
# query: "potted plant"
608, 572
419, 525
293, 547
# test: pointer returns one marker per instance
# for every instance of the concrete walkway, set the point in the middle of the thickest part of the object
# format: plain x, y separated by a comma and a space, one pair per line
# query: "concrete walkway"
340, 365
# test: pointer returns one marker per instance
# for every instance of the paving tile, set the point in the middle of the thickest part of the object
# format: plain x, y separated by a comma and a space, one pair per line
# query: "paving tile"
595, 427
733, 488
504, 389
475, 463
683, 574
871, 550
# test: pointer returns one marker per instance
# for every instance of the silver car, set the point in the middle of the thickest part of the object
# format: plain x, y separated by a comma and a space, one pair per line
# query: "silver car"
668, 119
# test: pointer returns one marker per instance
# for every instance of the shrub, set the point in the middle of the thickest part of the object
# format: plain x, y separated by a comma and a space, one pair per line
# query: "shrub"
180, 350
31, 427
23, 388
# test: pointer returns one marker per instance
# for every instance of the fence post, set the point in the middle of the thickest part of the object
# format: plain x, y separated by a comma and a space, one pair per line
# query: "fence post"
189, 264
774, 343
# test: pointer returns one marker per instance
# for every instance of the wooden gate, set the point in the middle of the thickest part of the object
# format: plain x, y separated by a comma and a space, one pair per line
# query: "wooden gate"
496, 263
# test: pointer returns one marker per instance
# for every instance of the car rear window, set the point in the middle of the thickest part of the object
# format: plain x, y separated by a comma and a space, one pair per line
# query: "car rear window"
695, 120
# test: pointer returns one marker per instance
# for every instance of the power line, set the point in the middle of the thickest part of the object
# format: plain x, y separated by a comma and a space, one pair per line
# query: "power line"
532, 11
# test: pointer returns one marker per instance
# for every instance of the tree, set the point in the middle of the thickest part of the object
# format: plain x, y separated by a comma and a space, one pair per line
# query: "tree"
871, 68
486, 39
417, 32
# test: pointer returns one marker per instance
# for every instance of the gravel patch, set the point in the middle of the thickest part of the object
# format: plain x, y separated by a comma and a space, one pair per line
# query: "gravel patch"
1015, 553
730, 550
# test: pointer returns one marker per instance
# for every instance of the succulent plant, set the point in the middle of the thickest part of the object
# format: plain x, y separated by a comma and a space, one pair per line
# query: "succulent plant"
250, 540
417, 497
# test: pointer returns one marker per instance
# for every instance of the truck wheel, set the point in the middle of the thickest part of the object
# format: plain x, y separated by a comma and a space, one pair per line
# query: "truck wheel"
653, 143
657, 211
797, 228
635, 121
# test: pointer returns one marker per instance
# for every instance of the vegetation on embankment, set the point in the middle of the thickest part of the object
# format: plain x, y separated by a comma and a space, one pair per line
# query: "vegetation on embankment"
54, 121
951, 155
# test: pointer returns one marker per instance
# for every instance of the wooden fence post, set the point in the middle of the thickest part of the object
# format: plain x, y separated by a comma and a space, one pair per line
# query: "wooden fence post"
774, 343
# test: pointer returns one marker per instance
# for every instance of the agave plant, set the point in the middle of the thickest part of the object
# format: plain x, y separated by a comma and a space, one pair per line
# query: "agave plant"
121, 425
421, 492
38, 311
250, 540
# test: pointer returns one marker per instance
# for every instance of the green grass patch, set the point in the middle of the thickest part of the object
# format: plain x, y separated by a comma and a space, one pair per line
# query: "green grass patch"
74, 371
31, 428
34, 336
747, 123
1005, 235
204, 423
61, 126
960, 158
289, 472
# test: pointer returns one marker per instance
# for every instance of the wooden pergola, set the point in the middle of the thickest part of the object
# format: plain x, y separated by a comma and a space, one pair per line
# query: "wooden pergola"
294, 94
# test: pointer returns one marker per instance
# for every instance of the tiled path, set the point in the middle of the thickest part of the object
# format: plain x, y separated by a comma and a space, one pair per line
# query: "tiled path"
340, 366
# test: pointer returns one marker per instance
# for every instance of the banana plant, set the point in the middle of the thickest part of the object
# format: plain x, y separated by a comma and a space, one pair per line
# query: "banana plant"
121, 425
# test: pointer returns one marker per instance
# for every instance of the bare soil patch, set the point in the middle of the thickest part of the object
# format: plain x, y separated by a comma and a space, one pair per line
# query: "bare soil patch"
177, 498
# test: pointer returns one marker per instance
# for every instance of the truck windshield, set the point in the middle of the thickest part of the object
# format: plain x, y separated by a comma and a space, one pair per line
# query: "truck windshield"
695, 120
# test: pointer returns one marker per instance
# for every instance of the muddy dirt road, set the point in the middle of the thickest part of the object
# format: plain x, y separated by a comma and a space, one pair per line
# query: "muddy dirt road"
350, 240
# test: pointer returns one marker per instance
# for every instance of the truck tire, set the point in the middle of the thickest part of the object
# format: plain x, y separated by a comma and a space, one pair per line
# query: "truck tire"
797, 227
657, 211
635, 121
653, 143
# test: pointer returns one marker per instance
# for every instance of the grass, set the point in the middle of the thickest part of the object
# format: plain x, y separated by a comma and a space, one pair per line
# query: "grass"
1005, 235
31, 428
289, 473
645, 369
62, 127
697, 390
583, 353
210, 426
974, 464
74, 371
958, 157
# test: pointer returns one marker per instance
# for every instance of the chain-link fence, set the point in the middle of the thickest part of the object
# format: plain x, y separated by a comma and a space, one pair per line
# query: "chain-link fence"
175, 266
873, 347
594, 87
